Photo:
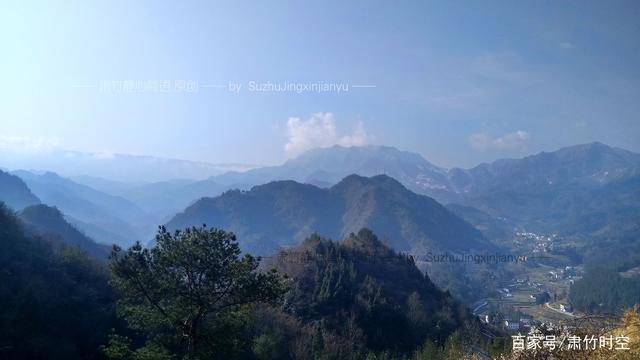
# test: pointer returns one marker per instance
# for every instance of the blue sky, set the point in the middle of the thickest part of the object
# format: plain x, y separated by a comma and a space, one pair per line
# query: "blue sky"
458, 82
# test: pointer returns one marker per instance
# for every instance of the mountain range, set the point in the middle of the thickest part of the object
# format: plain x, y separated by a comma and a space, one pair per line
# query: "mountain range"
322, 167
587, 190
593, 163
330, 165
532, 192
550, 191
161, 199
41, 220
283, 213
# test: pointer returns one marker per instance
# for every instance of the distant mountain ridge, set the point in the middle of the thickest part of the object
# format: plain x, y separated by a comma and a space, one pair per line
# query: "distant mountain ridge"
283, 213
106, 218
42, 220
15, 193
330, 165
121, 167
590, 162
589, 189
534, 192
593, 163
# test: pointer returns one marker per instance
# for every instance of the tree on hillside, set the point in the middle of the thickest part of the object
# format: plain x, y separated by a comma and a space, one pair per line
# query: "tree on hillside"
189, 294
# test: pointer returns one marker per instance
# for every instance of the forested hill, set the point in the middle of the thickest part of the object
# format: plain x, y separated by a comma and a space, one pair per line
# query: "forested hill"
365, 297
55, 303
50, 224
283, 213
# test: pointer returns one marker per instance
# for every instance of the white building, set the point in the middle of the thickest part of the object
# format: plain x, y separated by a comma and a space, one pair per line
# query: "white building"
512, 325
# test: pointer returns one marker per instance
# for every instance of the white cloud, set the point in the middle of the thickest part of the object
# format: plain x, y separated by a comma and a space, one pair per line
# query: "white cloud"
28, 145
512, 141
320, 131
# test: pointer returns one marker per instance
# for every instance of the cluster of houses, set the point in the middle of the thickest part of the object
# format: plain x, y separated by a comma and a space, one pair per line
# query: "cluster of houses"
524, 322
505, 293
538, 243
568, 273
511, 322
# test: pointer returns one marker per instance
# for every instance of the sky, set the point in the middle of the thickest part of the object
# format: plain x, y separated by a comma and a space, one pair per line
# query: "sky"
263, 81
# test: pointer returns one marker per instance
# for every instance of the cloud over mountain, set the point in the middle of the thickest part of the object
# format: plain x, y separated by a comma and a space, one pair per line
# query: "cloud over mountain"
320, 131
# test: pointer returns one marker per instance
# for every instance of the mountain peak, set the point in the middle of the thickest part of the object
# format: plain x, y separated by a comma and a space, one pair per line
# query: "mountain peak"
382, 181
362, 153
592, 146
595, 156
366, 242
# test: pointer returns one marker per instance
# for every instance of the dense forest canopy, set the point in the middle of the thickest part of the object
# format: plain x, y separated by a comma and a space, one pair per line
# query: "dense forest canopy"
55, 302
604, 290
386, 302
